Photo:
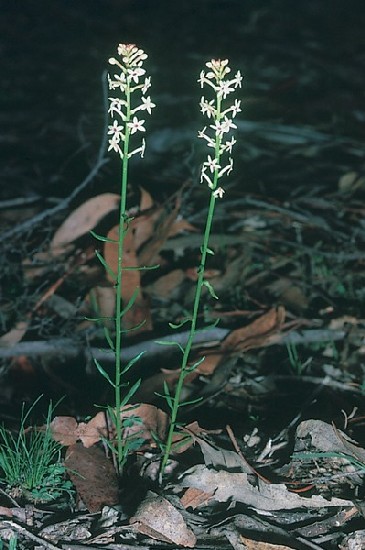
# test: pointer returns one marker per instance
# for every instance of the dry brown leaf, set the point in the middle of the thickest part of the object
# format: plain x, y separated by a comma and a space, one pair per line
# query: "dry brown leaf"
143, 225
148, 254
150, 419
67, 431
64, 430
164, 286
192, 498
258, 545
231, 486
131, 280
183, 440
83, 219
157, 518
256, 333
93, 476
91, 432
210, 363
181, 225
145, 201
105, 303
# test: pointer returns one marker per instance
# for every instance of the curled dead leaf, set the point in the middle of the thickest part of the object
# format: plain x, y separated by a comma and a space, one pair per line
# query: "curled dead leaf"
83, 219
256, 333
157, 518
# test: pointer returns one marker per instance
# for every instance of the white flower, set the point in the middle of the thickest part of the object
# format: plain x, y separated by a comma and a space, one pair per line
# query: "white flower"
238, 79
219, 192
115, 106
226, 125
146, 85
224, 88
212, 164
202, 79
127, 49
135, 73
140, 149
236, 108
113, 61
136, 125
217, 127
207, 107
114, 144
116, 130
229, 145
112, 84
205, 177
147, 104
203, 135
219, 68
227, 169
120, 81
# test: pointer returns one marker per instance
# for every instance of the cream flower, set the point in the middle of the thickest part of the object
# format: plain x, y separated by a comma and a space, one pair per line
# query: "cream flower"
147, 104
136, 125
146, 85
212, 164
207, 107
219, 192
115, 129
224, 88
135, 73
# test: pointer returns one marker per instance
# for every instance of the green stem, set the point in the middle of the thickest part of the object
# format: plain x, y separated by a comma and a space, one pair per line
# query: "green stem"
123, 228
198, 291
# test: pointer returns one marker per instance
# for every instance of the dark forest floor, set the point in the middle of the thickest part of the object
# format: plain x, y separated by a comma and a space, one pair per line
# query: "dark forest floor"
285, 366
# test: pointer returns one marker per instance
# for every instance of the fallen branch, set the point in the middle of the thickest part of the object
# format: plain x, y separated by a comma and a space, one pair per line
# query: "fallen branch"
70, 348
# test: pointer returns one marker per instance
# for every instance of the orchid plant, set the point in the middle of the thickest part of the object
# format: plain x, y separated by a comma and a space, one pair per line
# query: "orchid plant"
129, 86
132, 79
217, 165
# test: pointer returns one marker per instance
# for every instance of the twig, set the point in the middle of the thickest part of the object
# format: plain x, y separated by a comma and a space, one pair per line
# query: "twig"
23, 531
68, 347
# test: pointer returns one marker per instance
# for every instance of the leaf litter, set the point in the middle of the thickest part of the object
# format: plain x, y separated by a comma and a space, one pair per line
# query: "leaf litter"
273, 454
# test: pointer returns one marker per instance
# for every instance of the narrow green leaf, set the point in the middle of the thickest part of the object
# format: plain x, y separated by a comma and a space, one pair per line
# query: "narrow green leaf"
192, 402
136, 327
166, 395
178, 444
132, 361
103, 372
208, 327
130, 303
102, 238
179, 325
141, 267
210, 288
96, 319
210, 251
106, 265
170, 343
112, 415
108, 338
195, 365
132, 390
